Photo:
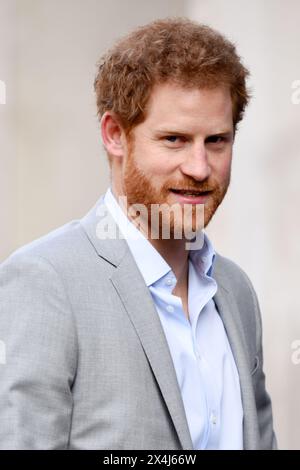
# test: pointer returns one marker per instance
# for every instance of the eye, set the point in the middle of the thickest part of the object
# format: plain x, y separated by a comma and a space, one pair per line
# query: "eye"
171, 138
174, 139
215, 139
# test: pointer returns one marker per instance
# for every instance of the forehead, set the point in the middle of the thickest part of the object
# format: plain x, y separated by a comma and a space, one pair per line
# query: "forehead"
189, 108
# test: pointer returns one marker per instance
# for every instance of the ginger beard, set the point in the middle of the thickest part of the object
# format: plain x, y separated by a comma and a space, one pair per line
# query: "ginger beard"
138, 189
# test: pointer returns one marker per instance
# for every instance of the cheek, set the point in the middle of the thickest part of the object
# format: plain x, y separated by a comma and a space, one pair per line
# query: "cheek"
156, 164
222, 169
163, 170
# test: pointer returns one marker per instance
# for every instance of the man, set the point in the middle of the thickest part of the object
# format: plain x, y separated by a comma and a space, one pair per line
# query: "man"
116, 336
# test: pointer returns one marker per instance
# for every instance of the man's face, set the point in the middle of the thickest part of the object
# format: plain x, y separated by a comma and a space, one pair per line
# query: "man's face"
185, 143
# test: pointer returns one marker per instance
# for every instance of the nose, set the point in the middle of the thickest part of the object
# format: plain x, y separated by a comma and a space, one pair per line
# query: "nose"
196, 163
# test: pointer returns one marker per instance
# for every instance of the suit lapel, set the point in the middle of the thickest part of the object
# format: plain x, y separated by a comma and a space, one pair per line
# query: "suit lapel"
140, 307
228, 311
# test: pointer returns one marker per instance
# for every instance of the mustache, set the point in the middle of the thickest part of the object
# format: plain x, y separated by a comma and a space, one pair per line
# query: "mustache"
203, 187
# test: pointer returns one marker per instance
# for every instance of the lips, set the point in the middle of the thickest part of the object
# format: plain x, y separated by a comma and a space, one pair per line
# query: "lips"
190, 196
189, 192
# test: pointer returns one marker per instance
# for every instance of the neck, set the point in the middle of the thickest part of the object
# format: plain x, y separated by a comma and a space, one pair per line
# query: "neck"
176, 255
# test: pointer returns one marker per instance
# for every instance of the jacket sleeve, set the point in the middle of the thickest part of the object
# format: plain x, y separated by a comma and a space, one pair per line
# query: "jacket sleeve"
38, 355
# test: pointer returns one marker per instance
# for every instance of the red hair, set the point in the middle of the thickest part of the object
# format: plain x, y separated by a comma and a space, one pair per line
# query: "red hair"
172, 49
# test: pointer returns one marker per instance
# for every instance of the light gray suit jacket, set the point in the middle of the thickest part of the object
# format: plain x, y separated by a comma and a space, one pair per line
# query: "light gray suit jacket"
87, 363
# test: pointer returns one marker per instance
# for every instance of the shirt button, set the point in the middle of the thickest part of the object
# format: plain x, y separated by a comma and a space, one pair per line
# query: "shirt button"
213, 419
170, 308
169, 282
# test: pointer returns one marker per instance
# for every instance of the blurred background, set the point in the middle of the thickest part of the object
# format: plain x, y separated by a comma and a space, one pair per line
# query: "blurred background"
53, 167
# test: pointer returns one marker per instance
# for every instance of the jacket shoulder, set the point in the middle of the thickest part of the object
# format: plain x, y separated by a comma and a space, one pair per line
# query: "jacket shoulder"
58, 247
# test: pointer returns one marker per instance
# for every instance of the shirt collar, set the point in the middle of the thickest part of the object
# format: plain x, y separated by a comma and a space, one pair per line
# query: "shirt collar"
150, 263
204, 258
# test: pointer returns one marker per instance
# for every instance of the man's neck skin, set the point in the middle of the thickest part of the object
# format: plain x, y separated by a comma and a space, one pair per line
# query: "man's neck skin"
175, 254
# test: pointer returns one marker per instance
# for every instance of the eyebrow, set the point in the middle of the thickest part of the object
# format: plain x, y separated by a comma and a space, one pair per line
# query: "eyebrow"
228, 133
224, 133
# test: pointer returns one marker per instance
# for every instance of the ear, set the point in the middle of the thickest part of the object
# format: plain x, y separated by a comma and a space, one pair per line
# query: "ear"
113, 135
